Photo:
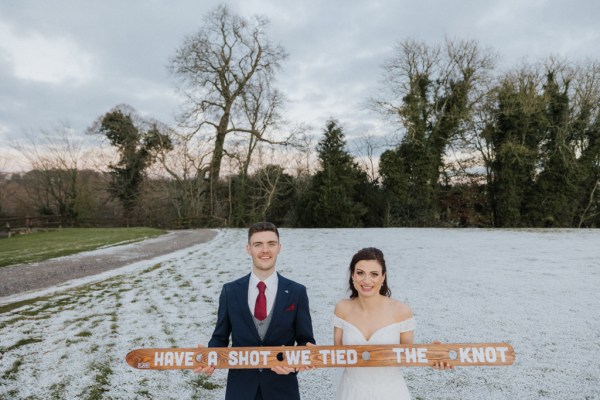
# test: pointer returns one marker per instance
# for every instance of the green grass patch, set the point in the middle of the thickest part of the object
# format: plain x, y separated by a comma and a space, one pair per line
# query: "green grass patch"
22, 342
58, 391
147, 270
203, 382
61, 242
11, 306
12, 371
101, 382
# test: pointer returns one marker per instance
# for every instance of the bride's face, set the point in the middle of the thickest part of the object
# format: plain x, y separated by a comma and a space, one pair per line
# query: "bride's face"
368, 277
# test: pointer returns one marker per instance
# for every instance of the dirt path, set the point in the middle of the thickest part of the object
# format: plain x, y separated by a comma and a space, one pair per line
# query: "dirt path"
21, 278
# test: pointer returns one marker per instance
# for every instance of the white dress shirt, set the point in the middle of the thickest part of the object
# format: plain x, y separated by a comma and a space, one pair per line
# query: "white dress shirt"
270, 291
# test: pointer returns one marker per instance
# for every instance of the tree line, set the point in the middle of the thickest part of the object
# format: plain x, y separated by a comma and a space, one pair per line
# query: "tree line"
473, 146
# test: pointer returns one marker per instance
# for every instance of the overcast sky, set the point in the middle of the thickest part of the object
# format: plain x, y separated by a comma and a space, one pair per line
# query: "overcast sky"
71, 61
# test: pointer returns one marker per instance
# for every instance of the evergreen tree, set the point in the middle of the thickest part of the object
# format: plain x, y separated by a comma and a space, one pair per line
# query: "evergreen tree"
333, 198
407, 190
518, 126
588, 211
136, 149
555, 198
432, 90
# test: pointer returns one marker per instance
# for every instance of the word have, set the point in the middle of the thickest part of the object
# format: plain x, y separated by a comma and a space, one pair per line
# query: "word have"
173, 358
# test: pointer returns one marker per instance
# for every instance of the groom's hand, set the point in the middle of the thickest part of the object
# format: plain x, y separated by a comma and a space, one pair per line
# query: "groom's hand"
204, 370
306, 367
281, 370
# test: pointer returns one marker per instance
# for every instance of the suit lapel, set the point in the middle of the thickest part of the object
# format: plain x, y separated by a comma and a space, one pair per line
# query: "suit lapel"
242, 303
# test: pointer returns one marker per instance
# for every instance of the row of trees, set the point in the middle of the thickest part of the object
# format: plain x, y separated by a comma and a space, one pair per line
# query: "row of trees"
472, 146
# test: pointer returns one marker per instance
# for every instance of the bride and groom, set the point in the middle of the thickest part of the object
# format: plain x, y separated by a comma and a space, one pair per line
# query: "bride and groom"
264, 308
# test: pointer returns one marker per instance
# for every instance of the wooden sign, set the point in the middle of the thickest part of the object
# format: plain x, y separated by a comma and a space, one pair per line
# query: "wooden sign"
416, 355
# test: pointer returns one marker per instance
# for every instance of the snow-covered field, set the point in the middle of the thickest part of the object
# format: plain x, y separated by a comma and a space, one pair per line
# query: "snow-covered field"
536, 289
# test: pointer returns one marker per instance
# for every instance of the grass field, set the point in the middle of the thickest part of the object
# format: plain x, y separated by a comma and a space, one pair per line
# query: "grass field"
61, 242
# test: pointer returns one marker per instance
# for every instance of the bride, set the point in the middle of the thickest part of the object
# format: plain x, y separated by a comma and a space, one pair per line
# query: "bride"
371, 317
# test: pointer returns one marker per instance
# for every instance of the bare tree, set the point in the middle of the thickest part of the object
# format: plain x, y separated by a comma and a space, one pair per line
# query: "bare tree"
366, 146
187, 166
586, 108
221, 69
53, 184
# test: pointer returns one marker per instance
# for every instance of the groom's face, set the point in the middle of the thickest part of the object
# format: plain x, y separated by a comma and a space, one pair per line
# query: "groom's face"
264, 248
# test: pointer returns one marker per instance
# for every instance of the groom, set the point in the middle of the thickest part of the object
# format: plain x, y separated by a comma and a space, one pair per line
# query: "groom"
262, 309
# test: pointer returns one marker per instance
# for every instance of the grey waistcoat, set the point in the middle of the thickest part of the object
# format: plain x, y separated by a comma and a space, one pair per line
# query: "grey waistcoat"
262, 326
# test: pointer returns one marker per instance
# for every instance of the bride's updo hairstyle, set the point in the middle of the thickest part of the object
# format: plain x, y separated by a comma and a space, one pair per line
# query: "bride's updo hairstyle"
369, 253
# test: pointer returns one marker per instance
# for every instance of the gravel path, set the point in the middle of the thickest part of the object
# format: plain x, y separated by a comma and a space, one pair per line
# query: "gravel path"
21, 278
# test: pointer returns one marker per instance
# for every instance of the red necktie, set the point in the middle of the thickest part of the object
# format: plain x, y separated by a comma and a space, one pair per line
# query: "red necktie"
260, 308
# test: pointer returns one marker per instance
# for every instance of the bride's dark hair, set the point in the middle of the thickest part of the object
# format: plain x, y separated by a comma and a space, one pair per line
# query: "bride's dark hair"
369, 253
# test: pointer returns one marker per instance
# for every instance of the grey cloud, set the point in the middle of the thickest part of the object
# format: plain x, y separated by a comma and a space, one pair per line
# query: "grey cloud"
336, 49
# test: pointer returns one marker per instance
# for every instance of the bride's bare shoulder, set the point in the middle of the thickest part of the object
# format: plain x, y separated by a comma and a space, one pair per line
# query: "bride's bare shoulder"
343, 307
400, 310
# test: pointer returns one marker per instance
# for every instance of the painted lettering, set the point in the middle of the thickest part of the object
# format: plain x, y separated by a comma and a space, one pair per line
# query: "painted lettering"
490, 354
292, 357
212, 358
297, 357
478, 354
502, 351
337, 357
168, 359
324, 353
352, 357
265, 355
410, 355
340, 357
464, 355
251, 357
243, 357
418, 355
159, 358
398, 352
422, 355
306, 357
178, 358
473, 355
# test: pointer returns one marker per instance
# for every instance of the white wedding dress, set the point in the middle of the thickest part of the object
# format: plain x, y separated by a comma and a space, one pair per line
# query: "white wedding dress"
373, 383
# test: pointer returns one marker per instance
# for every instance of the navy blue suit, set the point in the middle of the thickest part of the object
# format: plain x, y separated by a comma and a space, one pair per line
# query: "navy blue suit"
290, 325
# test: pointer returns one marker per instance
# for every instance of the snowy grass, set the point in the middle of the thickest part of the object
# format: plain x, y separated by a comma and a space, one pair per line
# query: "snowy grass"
536, 289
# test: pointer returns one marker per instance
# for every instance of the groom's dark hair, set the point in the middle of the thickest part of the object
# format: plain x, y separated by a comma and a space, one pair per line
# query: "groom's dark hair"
262, 227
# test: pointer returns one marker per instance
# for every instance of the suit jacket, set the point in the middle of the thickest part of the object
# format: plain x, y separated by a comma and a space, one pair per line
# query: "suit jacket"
290, 325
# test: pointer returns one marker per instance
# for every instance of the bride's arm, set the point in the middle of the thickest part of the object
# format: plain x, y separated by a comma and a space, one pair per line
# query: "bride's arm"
407, 337
337, 336
338, 332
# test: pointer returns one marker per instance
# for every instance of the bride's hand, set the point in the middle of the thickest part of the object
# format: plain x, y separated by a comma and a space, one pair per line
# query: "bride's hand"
442, 365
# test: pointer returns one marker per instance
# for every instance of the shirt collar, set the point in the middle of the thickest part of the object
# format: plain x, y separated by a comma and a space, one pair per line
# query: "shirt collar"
271, 281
